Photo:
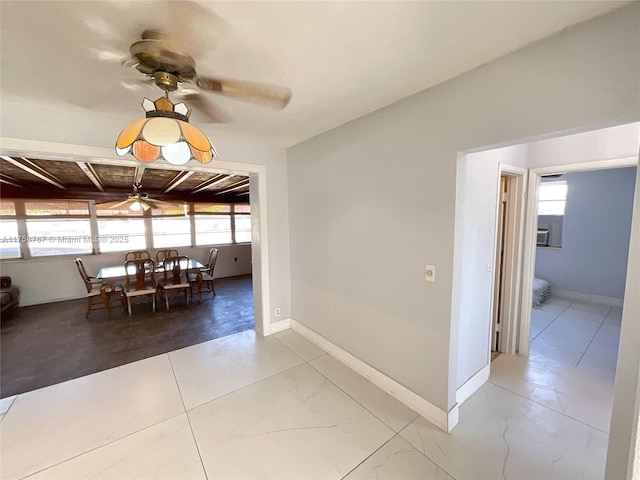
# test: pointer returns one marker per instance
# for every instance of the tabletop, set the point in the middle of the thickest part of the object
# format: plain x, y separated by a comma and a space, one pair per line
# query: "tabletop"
118, 271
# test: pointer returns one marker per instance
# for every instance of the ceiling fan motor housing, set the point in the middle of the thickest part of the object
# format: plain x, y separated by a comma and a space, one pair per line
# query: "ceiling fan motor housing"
166, 81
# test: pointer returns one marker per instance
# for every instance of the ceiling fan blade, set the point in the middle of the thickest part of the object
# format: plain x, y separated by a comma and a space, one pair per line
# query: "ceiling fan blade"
187, 26
272, 96
116, 204
211, 112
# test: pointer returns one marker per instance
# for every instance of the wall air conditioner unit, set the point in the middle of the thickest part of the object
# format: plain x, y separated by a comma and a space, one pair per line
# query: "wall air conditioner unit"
543, 237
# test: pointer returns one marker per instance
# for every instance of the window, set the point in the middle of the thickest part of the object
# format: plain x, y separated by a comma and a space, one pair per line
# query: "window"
121, 234
171, 232
242, 228
38, 228
171, 226
552, 198
9, 241
58, 227
120, 230
213, 229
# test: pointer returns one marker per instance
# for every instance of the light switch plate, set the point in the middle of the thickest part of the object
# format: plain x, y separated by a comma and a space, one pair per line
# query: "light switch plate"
430, 273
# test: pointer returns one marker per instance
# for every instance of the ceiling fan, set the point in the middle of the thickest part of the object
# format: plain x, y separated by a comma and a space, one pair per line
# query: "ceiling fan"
137, 201
163, 59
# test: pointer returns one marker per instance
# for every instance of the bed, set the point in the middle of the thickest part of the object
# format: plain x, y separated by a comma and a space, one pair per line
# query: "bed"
541, 291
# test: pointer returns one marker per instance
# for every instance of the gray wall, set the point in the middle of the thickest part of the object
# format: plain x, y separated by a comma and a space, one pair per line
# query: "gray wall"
373, 201
595, 238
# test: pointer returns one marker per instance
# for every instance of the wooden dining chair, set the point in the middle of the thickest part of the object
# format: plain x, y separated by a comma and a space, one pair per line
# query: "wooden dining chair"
140, 280
167, 253
175, 277
98, 288
137, 255
205, 275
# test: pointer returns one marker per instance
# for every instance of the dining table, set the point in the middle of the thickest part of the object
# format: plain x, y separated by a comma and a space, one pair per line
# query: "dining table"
118, 271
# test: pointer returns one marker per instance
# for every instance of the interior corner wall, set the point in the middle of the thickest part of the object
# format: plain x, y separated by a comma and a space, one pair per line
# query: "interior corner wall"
373, 201
595, 234
476, 209
30, 121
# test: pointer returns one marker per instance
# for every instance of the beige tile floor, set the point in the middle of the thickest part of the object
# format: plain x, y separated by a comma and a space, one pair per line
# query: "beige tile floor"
572, 362
248, 407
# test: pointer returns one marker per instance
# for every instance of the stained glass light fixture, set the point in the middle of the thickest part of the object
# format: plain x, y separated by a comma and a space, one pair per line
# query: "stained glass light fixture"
165, 133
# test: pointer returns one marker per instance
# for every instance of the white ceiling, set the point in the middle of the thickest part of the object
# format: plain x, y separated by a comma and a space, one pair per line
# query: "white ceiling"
342, 60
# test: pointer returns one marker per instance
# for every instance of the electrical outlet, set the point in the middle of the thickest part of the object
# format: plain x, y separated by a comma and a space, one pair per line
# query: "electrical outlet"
430, 273
277, 312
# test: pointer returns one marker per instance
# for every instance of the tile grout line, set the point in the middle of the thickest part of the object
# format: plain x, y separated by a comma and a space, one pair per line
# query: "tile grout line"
355, 400
153, 424
414, 448
395, 434
368, 456
4, 415
100, 446
186, 413
423, 453
243, 387
552, 321
548, 408
308, 362
104, 444
594, 336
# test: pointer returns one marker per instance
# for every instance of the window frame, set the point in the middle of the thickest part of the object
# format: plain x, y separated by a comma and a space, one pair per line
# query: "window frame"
551, 223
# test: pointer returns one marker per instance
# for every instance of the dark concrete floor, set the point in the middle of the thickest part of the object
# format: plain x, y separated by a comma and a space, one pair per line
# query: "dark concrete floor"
46, 344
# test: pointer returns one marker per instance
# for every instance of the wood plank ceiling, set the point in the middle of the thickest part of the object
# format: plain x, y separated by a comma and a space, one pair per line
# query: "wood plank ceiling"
35, 178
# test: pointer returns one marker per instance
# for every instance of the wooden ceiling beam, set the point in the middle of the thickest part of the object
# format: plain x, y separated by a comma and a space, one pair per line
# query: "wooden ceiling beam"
30, 167
236, 186
212, 182
48, 192
177, 180
88, 170
4, 178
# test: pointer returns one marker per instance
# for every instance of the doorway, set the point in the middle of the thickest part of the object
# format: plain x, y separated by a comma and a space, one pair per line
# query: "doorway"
531, 230
508, 251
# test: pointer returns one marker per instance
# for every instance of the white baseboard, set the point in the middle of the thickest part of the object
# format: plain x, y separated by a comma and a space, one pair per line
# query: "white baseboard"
588, 297
280, 325
469, 387
444, 420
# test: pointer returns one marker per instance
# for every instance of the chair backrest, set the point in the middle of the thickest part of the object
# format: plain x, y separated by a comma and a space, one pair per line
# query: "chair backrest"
140, 274
83, 274
213, 257
176, 269
137, 255
162, 254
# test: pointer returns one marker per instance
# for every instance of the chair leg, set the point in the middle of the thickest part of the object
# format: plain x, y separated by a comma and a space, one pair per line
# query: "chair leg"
129, 305
187, 291
106, 300
89, 304
166, 299
154, 301
213, 289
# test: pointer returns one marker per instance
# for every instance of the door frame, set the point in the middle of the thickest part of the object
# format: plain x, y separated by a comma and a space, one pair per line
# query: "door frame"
514, 228
531, 227
257, 194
